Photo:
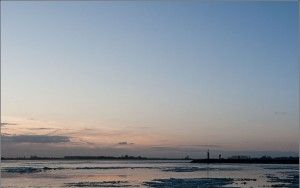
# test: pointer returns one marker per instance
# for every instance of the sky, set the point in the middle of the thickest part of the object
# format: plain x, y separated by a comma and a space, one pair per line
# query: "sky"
150, 78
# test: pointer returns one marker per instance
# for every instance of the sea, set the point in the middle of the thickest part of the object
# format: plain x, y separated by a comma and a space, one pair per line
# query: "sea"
144, 173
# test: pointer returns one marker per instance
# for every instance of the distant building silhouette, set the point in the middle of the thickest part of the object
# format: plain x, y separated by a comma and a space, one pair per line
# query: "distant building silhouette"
208, 154
239, 157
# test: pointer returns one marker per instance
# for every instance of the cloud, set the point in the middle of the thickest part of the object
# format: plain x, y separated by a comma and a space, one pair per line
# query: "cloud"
4, 134
125, 143
34, 139
4, 123
280, 113
41, 128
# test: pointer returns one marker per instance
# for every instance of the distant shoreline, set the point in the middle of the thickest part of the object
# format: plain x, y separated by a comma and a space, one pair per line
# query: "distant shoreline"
280, 160
262, 160
89, 158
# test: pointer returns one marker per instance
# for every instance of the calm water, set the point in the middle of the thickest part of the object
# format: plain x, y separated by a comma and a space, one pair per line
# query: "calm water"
145, 173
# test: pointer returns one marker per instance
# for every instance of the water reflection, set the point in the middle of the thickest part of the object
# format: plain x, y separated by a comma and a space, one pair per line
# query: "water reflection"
144, 174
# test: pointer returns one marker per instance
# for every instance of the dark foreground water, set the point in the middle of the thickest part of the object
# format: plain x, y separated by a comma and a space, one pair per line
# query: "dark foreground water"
147, 173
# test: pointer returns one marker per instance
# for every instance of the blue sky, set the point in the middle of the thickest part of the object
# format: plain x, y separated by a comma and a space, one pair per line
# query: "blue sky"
178, 73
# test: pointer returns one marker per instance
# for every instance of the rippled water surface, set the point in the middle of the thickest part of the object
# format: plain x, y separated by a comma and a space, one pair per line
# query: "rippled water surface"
145, 173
